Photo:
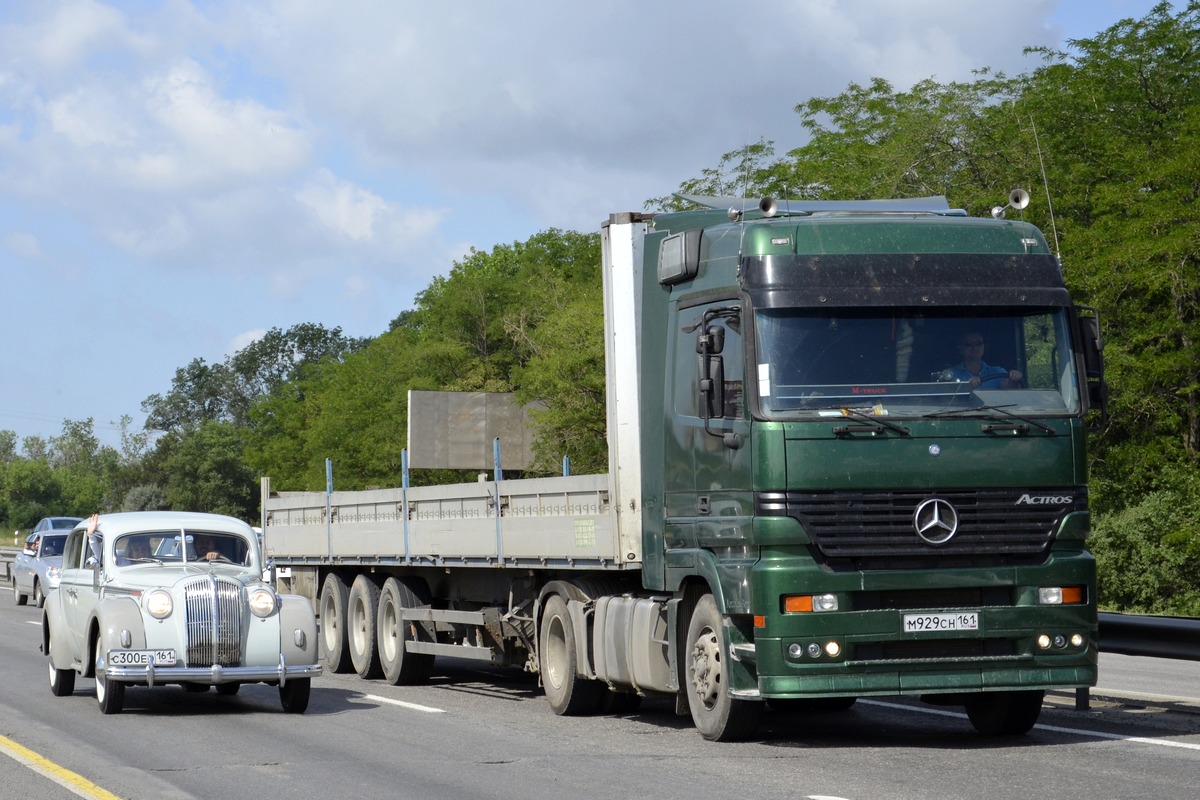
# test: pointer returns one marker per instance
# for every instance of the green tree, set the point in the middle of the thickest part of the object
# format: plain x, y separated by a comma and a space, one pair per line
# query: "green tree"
205, 471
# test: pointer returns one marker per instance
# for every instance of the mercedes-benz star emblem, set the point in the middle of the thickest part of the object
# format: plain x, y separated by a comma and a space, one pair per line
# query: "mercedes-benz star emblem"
935, 521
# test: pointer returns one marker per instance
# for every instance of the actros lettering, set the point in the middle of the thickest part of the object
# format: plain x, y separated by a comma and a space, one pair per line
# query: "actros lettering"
1044, 500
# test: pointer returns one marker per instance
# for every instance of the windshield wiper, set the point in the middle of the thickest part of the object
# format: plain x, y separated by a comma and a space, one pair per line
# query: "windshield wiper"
1000, 409
871, 419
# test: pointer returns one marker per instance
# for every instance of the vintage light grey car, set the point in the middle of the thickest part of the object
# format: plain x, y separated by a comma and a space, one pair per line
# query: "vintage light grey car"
36, 568
160, 597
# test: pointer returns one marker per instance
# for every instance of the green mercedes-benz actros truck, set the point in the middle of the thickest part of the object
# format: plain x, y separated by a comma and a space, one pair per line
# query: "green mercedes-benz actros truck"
846, 459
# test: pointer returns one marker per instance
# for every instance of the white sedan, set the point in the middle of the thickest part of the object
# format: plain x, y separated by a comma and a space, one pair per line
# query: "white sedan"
155, 597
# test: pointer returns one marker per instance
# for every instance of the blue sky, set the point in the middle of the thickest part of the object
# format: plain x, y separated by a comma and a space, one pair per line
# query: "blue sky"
178, 177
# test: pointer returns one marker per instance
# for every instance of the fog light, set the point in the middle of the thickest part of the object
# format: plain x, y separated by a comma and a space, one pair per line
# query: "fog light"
833, 649
1076, 640
814, 650
1043, 641
795, 650
1060, 641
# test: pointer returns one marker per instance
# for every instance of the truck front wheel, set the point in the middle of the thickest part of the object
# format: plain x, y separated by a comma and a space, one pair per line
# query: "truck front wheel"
569, 693
1005, 713
335, 647
717, 715
401, 667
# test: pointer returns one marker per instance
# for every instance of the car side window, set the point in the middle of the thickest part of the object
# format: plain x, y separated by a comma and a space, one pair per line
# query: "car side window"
73, 552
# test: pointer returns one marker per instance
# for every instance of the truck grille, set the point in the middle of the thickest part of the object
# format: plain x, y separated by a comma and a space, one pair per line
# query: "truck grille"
874, 529
214, 622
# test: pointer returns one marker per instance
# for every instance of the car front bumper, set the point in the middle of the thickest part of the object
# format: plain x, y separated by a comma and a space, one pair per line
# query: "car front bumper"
153, 675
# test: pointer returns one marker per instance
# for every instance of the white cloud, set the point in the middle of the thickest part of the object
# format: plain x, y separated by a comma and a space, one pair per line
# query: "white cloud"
244, 339
25, 245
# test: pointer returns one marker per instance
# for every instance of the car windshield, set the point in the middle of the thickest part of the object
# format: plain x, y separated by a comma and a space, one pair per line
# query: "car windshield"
178, 546
914, 362
52, 545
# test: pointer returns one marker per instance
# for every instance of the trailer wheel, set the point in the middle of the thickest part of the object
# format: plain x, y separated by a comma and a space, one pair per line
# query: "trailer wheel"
362, 614
1005, 713
334, 646
401, 667
569, 693
718, 716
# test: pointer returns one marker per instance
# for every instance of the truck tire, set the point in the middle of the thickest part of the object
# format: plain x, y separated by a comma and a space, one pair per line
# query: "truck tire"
62, 681
1005, 713
293, 695
17, 596
718, 716
362, 613
334, 646
109, 694
400, 667
569, 693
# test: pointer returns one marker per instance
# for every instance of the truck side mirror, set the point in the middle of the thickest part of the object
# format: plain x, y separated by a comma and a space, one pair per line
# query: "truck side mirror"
1093, 359
709, 344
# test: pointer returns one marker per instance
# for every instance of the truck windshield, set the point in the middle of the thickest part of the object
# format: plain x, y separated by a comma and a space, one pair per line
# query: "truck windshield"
915, 362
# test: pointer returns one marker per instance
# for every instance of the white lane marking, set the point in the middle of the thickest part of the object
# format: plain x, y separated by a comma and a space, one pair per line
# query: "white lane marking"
37, 622
1074, 731
402, 704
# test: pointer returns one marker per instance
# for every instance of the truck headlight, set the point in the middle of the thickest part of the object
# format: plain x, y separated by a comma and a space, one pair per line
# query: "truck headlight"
159, 603
262, 602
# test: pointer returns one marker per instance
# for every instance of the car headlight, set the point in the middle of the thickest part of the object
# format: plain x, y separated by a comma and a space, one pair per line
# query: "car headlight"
262, 602
53, 575
159, 603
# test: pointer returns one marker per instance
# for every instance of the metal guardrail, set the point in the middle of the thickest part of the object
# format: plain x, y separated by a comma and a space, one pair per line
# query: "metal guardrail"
1127, 634
1156, 637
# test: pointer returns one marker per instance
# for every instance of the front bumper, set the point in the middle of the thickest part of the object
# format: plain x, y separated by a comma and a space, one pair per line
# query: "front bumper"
152, 675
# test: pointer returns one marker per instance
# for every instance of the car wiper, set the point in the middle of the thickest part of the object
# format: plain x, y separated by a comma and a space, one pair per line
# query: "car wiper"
949, 412
873, 420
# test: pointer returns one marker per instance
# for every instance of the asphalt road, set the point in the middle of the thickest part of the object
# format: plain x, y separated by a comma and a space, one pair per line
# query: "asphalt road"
483, 733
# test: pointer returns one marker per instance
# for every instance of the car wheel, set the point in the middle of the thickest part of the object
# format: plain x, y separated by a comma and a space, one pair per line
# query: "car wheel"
293, 695
62, 681
39, 599
109, 694
17, 596
228, 689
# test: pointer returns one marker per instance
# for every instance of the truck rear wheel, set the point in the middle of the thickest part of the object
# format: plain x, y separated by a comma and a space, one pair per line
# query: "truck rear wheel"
362, 614
569, 693
1005, 713
718, 716
335, 647
401, 667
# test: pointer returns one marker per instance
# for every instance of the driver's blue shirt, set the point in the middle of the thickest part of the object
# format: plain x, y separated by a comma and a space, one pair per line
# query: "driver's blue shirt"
989, 377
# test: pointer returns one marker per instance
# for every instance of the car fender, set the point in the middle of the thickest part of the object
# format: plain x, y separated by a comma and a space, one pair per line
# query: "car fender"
297, 629
113, 616
54, 627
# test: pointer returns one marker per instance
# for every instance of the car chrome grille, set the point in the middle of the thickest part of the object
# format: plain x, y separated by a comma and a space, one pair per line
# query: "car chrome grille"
214, 622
